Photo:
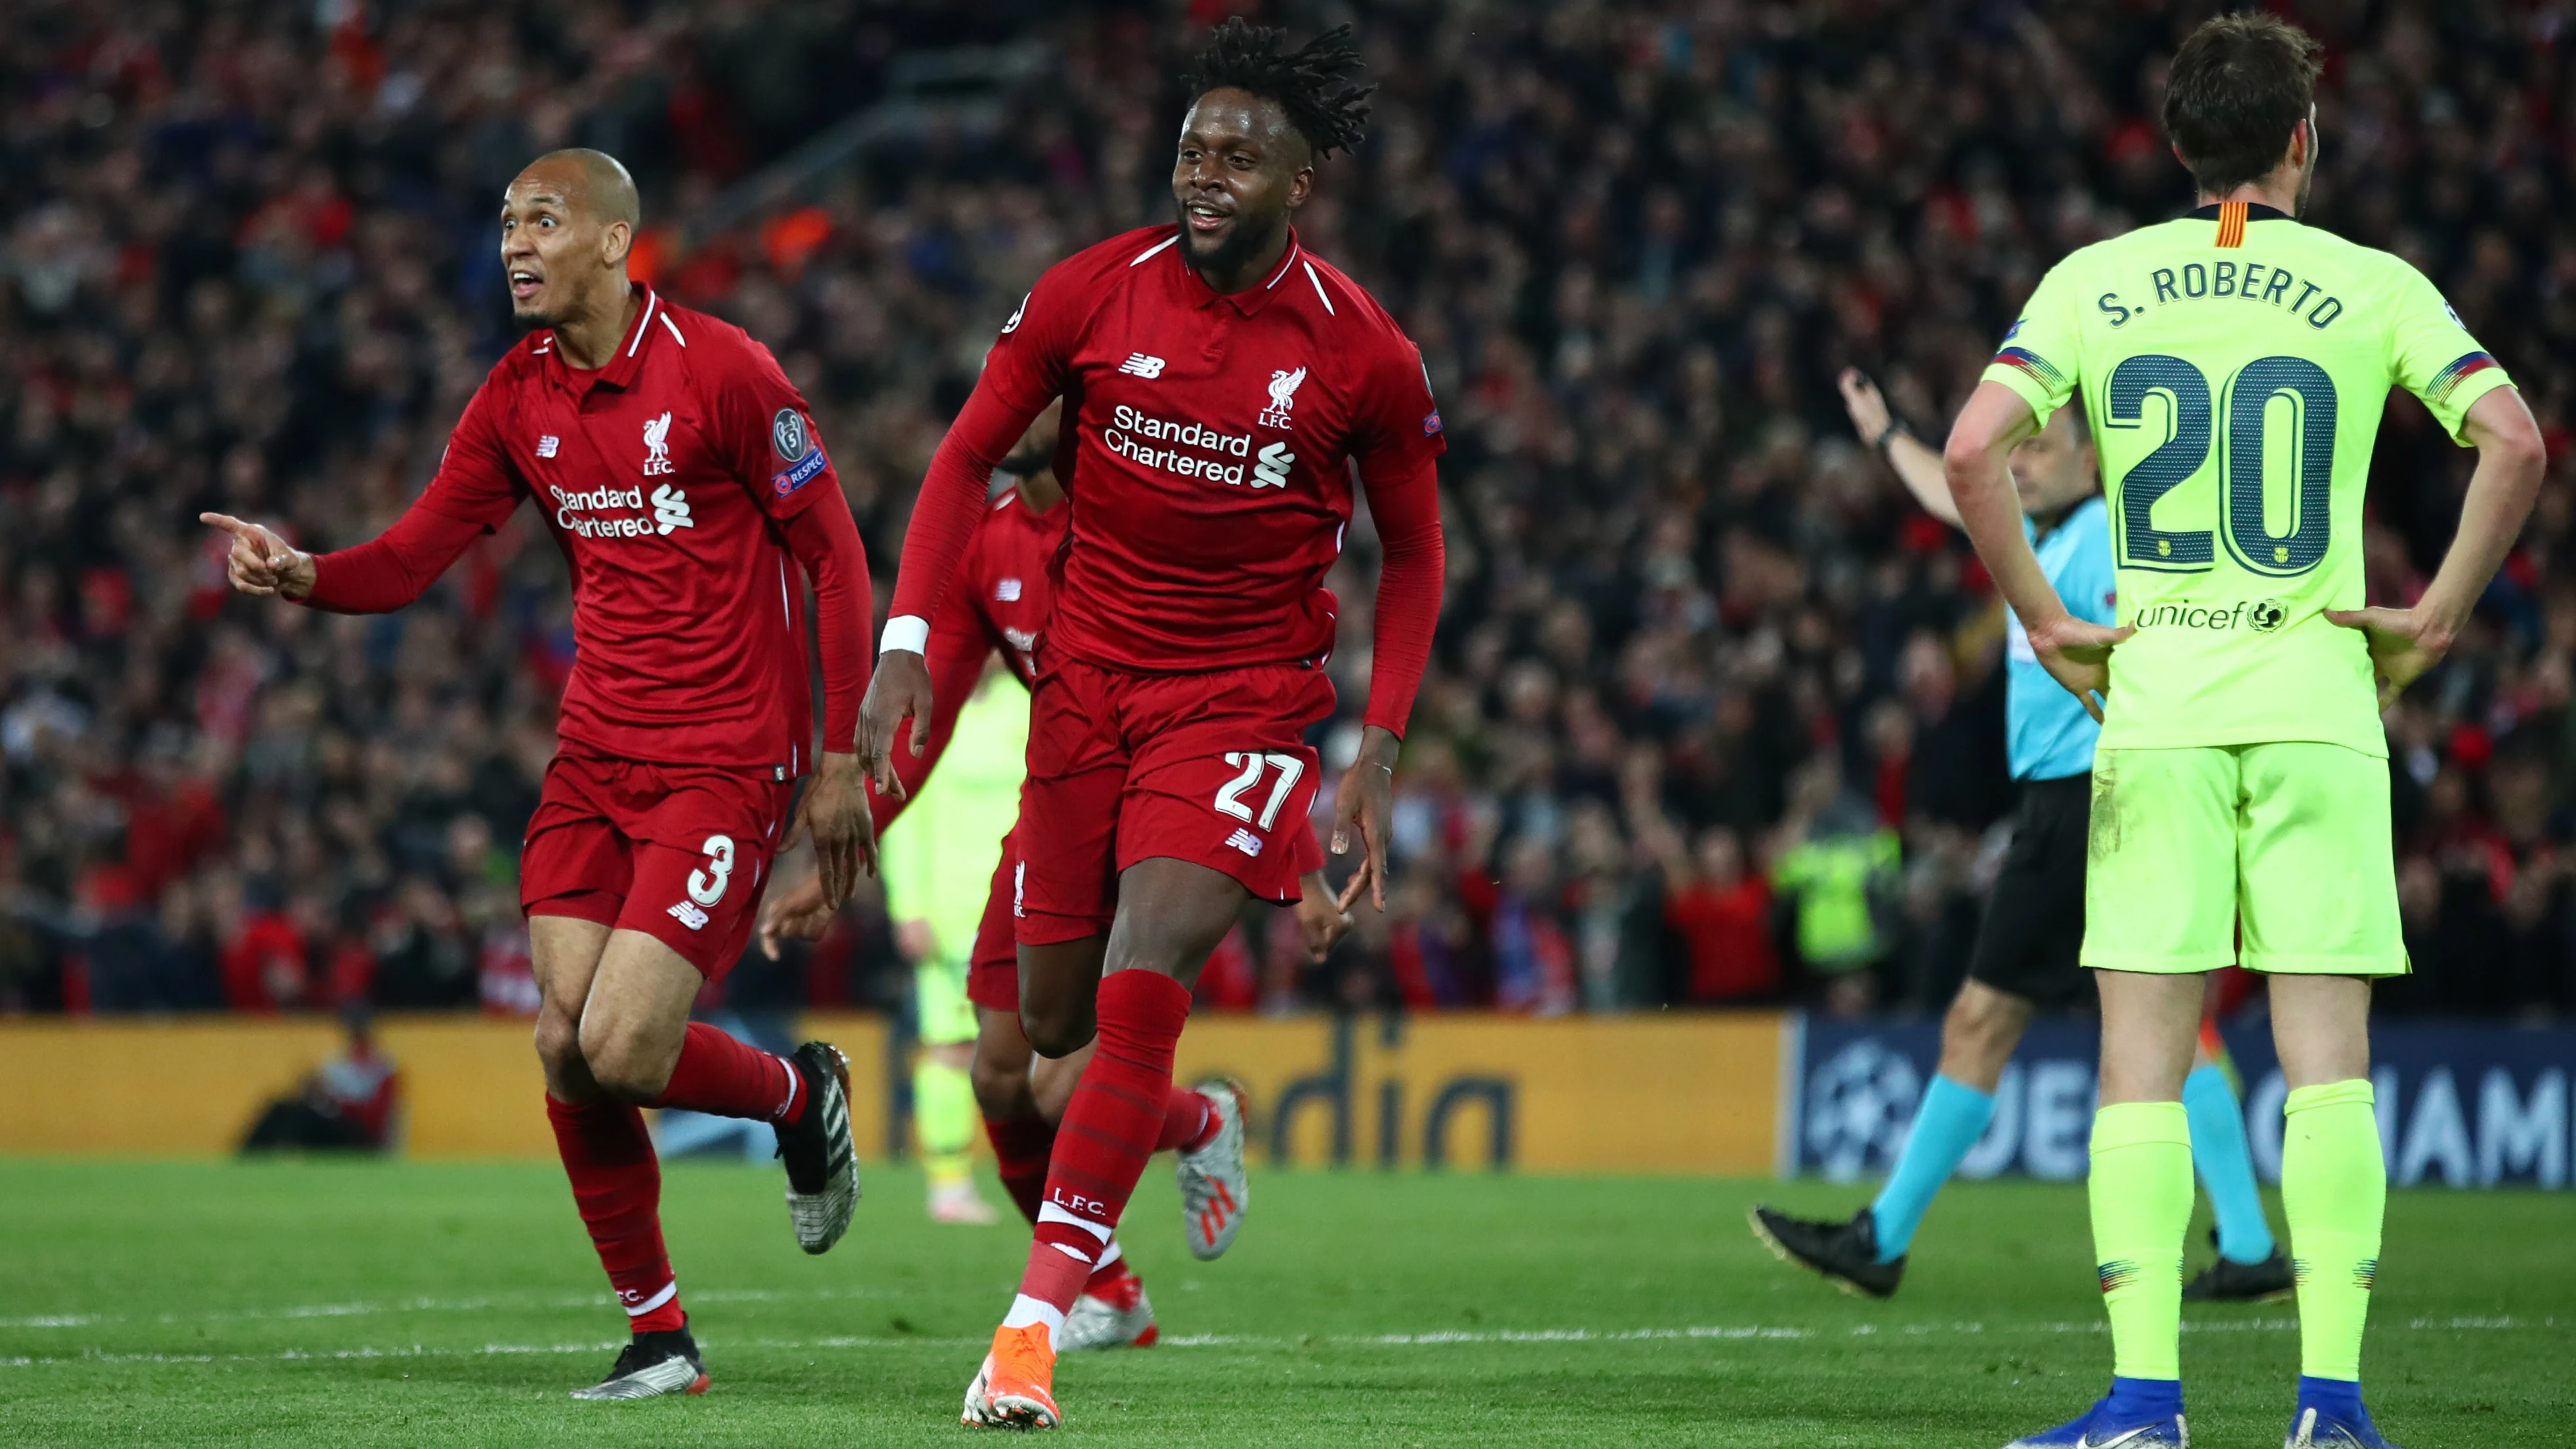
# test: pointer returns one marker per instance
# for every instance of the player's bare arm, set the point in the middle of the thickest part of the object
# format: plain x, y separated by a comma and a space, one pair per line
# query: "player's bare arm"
2511, 457
2076, 654
1914, 462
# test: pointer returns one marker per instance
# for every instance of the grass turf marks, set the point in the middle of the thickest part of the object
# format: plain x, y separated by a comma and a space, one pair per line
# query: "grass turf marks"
363, 1304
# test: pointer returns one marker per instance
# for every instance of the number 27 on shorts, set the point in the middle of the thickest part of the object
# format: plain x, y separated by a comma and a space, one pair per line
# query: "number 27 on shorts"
1230, 798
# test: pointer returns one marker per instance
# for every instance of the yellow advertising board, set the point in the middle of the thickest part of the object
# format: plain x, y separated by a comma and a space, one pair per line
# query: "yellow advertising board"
1661, 1093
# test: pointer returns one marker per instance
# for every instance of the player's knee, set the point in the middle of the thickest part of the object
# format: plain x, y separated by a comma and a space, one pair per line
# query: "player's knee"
623, 1064
1057, 1031
558, 1046
1001, 1087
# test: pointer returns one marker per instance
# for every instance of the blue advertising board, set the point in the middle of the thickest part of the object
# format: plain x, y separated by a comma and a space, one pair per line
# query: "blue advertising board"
2459, 1106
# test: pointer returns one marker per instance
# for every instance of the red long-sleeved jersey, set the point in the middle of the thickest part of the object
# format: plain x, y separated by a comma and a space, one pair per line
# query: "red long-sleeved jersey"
678, 480
1208, 450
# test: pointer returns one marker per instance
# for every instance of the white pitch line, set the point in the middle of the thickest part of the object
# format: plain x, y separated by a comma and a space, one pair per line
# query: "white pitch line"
1441, 1338
440, 1305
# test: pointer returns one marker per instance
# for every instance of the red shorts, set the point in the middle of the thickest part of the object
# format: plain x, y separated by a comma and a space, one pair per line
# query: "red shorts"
993, 971
679, 852
1209, 768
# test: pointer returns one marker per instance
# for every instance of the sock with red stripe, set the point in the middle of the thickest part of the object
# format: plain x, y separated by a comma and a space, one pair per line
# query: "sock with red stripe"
1116, 1116
1021, 1146
723, 1077
1111, 1271
1189, 1121
617, 1184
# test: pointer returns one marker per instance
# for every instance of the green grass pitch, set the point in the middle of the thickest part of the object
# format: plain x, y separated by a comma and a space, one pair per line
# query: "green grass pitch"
366, 1304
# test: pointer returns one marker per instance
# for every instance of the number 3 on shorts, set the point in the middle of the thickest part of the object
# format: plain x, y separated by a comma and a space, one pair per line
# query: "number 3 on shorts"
707, 887
1230, 799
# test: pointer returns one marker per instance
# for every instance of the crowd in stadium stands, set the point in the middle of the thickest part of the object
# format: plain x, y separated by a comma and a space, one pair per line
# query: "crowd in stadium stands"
1716, 712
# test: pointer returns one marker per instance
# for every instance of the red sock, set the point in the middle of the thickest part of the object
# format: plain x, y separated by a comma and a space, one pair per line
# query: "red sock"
1109, 1130
1020, 1149
1189, 1121
1106, 1278
617, 1184
727, 1078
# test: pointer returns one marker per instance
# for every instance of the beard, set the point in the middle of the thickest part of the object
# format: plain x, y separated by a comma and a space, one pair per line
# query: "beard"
533, 321
1240, 245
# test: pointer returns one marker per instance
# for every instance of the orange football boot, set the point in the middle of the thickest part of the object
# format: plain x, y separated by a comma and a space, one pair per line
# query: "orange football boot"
1015, 1387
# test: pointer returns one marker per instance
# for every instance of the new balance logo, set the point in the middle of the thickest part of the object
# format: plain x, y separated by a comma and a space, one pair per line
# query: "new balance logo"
688, 914
1272, 470
547, 444
1007, 591
1140, 365
1245, 841
670, 510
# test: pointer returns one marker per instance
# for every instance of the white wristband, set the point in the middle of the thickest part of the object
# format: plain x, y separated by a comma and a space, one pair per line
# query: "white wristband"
908, 632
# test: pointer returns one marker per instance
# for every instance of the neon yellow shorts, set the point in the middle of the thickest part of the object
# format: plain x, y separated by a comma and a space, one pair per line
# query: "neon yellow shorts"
939, 1002
2290, 838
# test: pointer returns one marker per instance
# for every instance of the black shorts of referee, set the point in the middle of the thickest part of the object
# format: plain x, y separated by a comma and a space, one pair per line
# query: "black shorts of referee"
2033, 931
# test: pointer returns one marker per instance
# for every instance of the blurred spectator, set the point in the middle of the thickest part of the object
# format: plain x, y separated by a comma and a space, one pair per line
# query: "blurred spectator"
350, 1103
1723, 912
1835, 866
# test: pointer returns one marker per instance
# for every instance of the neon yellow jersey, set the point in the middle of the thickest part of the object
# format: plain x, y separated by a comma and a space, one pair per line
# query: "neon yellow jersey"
2234, 364
938, 858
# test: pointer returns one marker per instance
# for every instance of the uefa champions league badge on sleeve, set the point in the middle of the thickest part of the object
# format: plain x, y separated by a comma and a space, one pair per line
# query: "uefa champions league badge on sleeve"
793, 439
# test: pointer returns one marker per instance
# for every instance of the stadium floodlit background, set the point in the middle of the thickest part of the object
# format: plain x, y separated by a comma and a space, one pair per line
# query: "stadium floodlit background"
1705, 680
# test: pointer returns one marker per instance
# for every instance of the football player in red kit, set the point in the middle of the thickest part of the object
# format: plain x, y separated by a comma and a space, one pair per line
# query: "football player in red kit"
1221, 386
999, 604
680, 474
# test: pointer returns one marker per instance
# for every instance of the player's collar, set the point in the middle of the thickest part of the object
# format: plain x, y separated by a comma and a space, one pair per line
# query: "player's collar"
2254, 211
631, 348
1253, 298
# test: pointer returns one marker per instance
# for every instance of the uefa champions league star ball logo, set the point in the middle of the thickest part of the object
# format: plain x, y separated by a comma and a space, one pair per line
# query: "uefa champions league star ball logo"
2266, 615
1858, 1105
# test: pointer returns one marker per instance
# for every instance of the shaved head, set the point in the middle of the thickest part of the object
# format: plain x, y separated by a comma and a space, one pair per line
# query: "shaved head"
567, 227
592, 182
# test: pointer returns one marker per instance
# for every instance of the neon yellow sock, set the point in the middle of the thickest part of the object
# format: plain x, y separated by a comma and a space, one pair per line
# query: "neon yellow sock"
2141, 1198
2334, 1191
943, 1117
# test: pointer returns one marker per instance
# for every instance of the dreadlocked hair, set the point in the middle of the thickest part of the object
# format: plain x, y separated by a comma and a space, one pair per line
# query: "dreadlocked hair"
1246, 57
